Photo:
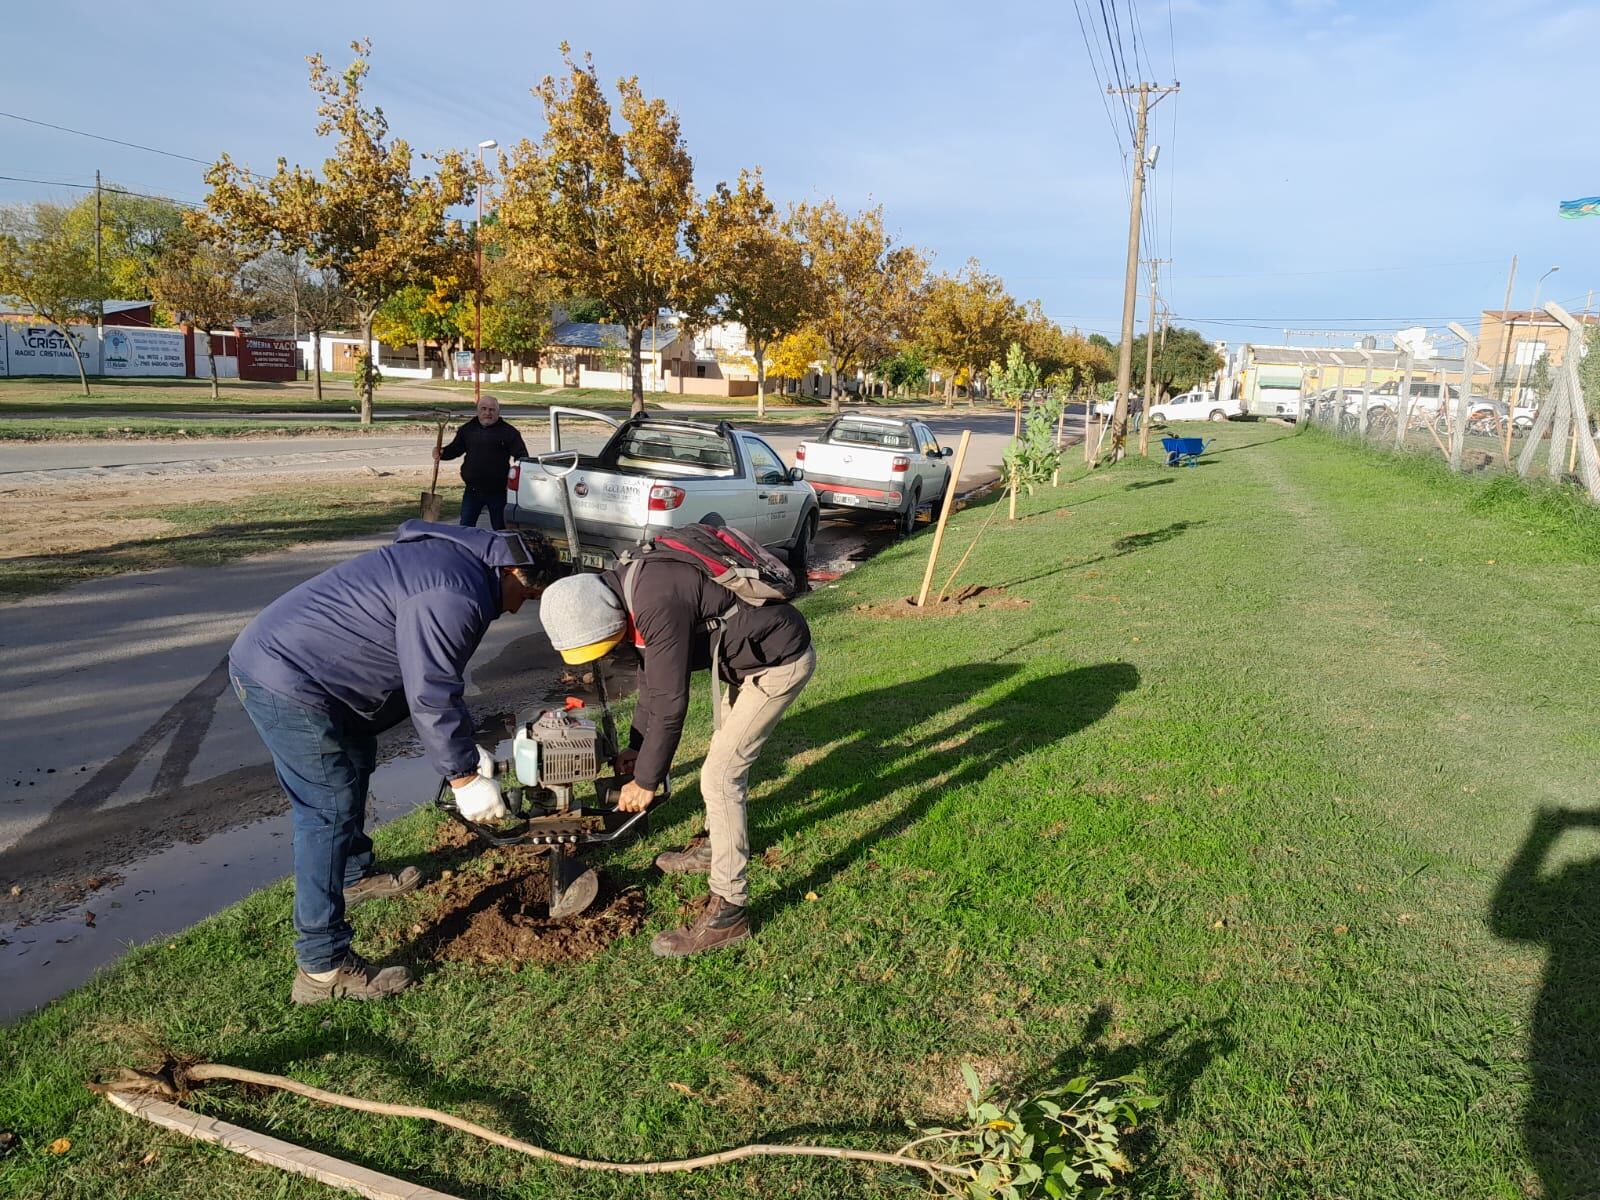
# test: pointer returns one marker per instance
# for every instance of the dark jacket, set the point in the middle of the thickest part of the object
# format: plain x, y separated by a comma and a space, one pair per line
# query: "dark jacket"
385, 631
489, 450
675, 603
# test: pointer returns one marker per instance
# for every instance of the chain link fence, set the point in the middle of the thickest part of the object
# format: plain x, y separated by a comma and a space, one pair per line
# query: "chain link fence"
1551, 436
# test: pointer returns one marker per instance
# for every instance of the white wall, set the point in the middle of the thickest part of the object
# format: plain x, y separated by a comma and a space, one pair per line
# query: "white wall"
28, 348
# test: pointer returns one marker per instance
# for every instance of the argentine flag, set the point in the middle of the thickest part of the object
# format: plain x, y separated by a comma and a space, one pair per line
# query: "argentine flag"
1589, 206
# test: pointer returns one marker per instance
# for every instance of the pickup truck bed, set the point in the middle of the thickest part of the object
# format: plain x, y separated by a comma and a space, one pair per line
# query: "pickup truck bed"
651, 474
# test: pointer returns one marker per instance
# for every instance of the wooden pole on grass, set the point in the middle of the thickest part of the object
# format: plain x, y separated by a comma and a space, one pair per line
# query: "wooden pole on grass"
944, 515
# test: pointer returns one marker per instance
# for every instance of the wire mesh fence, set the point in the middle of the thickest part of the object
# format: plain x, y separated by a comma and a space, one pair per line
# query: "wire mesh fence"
1552, 437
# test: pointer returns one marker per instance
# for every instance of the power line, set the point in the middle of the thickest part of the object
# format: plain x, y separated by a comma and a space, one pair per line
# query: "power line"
89, 187
102, 138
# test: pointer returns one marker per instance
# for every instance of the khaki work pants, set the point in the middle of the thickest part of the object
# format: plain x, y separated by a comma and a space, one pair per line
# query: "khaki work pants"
724, 775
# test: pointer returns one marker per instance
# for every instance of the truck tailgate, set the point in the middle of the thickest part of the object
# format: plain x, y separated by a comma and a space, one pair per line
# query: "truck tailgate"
851, 463
606, 506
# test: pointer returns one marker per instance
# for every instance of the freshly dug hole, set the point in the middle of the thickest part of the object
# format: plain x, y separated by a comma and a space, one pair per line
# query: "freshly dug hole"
973, 596
501, 916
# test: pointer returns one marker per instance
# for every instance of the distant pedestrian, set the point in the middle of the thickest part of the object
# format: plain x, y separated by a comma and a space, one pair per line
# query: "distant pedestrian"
489, 445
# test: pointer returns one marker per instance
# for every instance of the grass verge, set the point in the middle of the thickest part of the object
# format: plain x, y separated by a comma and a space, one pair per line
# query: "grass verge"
1277, 790
209, 533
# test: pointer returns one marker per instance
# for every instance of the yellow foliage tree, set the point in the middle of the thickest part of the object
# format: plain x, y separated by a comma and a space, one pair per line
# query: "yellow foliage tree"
367, 221
793, 357
867, 288
965, 321
603, 213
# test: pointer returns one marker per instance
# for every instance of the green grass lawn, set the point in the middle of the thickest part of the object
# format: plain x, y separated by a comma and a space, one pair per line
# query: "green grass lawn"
1254, 797
61, 397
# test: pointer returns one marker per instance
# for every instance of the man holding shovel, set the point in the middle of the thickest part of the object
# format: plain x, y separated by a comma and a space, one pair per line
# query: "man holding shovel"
488, 444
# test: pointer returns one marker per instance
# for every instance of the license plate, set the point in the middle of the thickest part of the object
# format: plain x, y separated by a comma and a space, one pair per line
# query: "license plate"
845, 498
588, 558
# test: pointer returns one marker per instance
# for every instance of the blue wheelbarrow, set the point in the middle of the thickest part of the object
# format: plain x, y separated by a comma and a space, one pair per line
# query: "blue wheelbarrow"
1182, 452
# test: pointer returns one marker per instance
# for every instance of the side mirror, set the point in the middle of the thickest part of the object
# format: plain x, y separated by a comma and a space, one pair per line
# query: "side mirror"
947, 452
797, 474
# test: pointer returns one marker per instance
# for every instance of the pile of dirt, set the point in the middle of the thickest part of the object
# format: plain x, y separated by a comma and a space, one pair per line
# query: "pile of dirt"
973, 596
500, 915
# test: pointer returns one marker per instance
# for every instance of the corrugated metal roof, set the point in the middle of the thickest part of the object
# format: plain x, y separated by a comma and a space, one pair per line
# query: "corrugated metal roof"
1382, 360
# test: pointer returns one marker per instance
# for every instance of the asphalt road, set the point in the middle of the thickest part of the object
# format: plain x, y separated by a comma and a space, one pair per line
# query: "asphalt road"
132, 785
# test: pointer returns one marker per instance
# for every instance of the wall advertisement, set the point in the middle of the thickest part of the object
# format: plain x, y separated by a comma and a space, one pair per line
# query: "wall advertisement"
44, 349
266, 358
131, 351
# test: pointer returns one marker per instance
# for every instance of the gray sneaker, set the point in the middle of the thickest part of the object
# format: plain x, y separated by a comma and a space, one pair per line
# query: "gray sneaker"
380, 884
693, 859
356, 979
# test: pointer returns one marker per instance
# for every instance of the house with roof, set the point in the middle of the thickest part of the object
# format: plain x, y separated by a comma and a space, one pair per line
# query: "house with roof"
1513, 342
711, 362
1273, 379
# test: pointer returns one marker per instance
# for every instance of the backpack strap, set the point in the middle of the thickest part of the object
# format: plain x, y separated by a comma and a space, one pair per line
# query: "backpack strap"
714, 627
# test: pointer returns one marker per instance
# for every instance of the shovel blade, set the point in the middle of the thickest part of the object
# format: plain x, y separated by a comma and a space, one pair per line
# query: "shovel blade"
431, 502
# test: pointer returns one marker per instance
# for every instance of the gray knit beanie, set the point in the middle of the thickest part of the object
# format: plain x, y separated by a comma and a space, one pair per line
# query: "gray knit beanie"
579, 611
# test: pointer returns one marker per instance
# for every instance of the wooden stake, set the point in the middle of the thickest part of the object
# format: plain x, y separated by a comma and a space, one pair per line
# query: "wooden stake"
286, 1156
944, 515
1012, 514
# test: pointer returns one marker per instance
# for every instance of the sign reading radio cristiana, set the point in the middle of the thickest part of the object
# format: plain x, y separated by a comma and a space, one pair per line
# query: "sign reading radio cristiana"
44, 349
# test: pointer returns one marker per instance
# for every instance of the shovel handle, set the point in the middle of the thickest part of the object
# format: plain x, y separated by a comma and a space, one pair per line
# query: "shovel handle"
438, 445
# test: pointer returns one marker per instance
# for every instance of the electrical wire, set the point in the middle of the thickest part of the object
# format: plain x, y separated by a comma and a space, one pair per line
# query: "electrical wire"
102, 138
104, 187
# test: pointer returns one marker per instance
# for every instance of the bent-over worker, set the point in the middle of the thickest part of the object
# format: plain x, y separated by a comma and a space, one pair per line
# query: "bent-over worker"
765, 654
332, 663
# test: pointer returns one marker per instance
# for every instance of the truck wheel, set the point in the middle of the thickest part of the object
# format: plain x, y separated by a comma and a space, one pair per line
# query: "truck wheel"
800, 553
1218, 415
907, 523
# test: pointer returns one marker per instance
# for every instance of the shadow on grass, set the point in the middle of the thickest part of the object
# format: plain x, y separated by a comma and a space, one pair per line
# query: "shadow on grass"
1561, 1123
1130, 544
900, 737
1148, 483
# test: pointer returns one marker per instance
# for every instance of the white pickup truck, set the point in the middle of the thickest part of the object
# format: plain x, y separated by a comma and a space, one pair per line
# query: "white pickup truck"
884, 465
630, 480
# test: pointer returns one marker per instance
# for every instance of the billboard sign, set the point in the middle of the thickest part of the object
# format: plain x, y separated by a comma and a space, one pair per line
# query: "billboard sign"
133, 351
44, 349
267, 358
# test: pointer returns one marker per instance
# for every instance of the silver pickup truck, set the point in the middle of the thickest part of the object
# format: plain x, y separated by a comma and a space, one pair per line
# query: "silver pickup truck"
629, 480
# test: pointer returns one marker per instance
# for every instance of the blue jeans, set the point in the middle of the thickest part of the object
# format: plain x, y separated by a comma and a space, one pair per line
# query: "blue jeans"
473, 502
324, 763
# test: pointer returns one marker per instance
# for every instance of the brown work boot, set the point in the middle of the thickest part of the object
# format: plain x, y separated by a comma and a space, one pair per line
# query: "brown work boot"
719, 924
693, 859
355, 979
379, 884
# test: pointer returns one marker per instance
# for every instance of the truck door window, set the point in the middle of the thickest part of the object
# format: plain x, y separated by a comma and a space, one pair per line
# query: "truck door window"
765, 464
925, 439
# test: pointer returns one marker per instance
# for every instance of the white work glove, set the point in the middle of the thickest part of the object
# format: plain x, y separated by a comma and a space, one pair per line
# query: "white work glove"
480, 800
485, 763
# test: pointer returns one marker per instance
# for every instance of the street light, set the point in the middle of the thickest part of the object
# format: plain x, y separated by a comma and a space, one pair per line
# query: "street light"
477, 316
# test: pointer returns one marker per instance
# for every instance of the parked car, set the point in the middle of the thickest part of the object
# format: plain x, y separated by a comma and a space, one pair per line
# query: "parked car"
651, 475
882, 465
1197, 405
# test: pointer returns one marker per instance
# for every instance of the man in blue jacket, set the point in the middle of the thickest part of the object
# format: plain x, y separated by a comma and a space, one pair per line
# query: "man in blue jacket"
332, 663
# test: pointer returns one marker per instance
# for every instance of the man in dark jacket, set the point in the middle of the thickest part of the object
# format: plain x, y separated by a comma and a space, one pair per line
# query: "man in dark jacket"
765, 653
489, 445
332, 663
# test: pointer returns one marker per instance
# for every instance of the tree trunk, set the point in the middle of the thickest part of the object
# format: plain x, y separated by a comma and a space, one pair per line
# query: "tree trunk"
211, 359
1016, 419
366, 356
636, 361
77, 356
833, 385
422, 354
316, 364
761, 379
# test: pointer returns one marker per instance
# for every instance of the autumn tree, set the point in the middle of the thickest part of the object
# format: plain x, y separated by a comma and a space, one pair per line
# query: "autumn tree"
367, 221
599, 212
752, 269
200, 277
794, 356
966, 321
135, 232
518, 312
867, 288
48, 263
315, 301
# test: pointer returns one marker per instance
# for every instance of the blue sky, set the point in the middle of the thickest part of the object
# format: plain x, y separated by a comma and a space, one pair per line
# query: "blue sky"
1328, 163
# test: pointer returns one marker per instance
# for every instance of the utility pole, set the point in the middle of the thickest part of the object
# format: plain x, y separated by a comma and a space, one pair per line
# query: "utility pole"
99, 276
1507, 330
477, 307
1150, 357
1130, 283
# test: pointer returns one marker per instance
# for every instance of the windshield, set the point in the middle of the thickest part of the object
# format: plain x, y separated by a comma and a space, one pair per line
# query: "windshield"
656, 450
869, 433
